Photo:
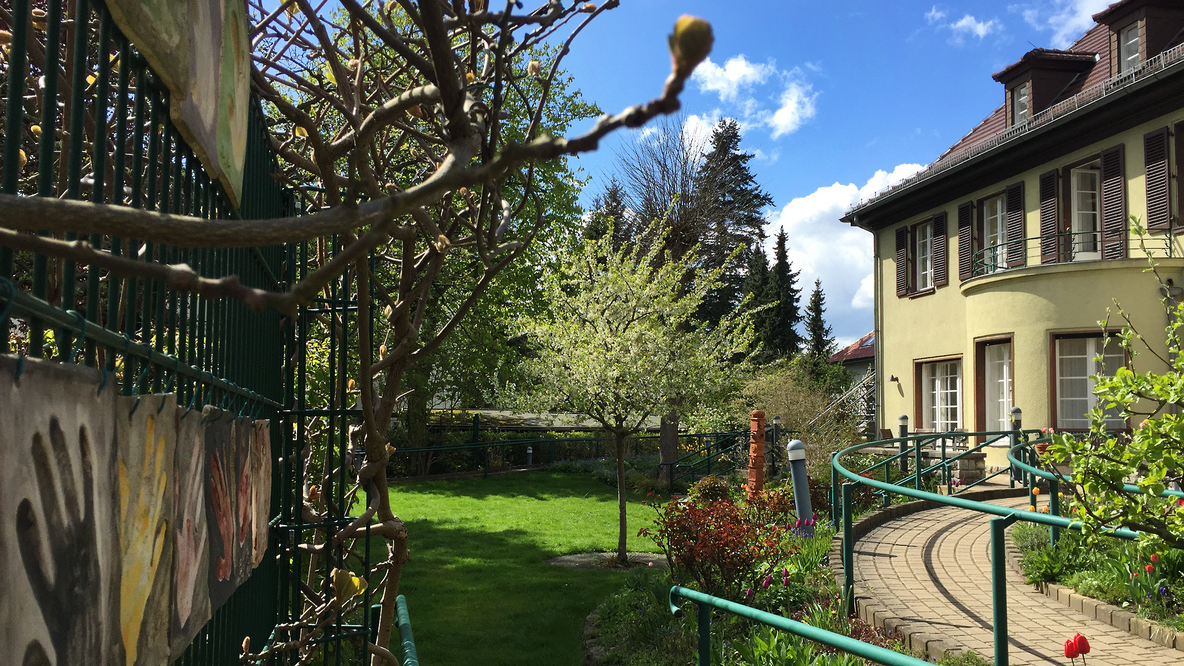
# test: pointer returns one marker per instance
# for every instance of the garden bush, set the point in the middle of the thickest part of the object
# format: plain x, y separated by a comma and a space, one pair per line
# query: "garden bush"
1030, 536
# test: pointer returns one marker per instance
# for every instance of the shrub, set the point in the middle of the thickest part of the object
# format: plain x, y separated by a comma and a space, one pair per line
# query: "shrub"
711, 488
720, 544
1049, 564
1030, 536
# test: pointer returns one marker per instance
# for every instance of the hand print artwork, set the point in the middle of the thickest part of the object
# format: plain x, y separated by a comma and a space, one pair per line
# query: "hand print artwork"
191, 584
260, 488
147, 441
59, 503
221, 505
244, 537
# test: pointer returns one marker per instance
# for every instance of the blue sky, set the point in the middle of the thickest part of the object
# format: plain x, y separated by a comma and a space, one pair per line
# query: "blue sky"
836, 99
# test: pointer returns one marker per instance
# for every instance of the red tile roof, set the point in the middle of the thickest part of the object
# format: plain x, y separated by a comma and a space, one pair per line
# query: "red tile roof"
864, 347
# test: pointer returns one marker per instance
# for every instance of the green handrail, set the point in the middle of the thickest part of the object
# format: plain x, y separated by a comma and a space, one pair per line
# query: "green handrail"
845, 643
403, 620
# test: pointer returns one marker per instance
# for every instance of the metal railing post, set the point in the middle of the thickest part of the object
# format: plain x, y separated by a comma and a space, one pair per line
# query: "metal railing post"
887, 479
904, 432
835, 508
917, 462
704, 635
1054, 507
1016, 422
848, 551
999, 586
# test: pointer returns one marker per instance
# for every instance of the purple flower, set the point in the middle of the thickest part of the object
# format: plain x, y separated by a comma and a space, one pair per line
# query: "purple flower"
1163, 590
748, 593
785, 581
798, 523
785, 571
766, 582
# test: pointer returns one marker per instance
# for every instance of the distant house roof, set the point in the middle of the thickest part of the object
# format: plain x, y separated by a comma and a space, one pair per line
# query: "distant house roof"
864, 347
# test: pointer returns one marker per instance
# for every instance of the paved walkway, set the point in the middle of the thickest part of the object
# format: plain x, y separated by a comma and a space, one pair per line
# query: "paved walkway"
934, 566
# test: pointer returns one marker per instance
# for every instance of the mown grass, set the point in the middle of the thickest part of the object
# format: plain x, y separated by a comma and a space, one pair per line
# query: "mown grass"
478, 587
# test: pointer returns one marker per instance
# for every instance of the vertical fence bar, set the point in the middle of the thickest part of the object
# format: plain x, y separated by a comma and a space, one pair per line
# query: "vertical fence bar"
77, 140
704, 635
45, 157
13, 131
848, 549
999, 586
1054, 507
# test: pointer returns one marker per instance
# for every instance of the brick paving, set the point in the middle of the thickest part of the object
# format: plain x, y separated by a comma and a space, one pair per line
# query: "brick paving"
934, 566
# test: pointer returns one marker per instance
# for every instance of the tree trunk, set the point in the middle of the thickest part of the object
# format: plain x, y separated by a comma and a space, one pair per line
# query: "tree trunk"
622, 554
668, 446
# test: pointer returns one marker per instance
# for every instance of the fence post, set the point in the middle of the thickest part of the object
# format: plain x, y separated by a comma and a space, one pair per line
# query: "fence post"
999, 586
917, 462
835, 497
848, 550
904, 432
704, 635
1017, 417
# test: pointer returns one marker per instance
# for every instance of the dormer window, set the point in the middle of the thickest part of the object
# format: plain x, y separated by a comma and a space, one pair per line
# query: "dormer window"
1128, 48
1020, 105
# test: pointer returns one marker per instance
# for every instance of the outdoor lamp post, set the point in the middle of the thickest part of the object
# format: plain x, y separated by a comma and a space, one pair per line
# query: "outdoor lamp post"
773, 450
795, 456
904, 432
529, 455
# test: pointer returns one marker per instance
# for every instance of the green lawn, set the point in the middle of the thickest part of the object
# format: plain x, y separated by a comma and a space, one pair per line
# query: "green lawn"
478, 587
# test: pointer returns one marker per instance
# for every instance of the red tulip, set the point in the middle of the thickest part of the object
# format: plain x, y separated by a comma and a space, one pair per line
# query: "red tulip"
1154, 557
1071, 649
1081, 643
1149, 568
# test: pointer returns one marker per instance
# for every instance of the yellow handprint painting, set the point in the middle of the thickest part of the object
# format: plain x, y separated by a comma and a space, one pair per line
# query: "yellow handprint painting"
147, 436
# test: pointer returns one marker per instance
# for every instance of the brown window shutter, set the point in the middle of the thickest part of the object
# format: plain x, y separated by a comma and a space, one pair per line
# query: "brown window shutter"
1015, 225
1113, 204
902, 260
1179, 175
965, 242
941, 254
1050, 218
1155, 158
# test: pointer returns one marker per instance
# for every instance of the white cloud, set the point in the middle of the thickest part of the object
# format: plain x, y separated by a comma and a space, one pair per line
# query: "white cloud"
1067, 19
964, 27
970, 25
840, 255
797, 106
760, 96
864, 297
697, 129
737, 74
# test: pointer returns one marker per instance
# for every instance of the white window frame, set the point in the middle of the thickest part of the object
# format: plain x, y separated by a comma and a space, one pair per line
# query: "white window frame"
997, 385
941, 395
1072, 410
1128, 48
1021, 107
995, 239
923, 261
1086, 242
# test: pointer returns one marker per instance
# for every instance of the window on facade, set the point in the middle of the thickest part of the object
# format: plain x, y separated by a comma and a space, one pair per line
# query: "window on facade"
994, 234
997, 401
1128, 48
1019, 98
1086, 212
941, 395
924, 256
1076, 364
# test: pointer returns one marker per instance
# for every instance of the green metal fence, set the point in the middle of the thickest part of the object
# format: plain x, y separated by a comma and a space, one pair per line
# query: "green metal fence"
86, 119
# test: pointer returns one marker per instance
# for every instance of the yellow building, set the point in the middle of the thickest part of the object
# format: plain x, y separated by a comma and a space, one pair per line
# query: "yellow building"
995, 264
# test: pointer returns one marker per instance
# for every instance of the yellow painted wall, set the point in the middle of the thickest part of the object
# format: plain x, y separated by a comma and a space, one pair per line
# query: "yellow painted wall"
1027, 303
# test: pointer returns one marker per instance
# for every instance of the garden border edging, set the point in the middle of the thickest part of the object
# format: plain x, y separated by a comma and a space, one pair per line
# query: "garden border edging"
917, 635
1098, 610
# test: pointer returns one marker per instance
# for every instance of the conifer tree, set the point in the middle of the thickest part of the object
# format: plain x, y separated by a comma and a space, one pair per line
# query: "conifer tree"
731, 204
820, 340
779, 332
609, 212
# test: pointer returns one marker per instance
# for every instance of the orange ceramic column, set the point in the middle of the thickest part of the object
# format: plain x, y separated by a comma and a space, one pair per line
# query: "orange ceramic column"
756, 454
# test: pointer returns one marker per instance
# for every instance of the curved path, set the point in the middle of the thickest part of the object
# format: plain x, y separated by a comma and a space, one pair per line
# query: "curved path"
934, 566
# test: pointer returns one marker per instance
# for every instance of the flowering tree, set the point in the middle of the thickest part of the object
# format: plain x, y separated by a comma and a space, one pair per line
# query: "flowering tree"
620, 342
1118, 478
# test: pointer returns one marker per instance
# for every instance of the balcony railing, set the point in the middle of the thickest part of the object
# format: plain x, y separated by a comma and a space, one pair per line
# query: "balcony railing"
1070, 248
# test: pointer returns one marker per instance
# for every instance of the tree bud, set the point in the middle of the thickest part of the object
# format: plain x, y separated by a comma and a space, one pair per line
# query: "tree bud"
689, 44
